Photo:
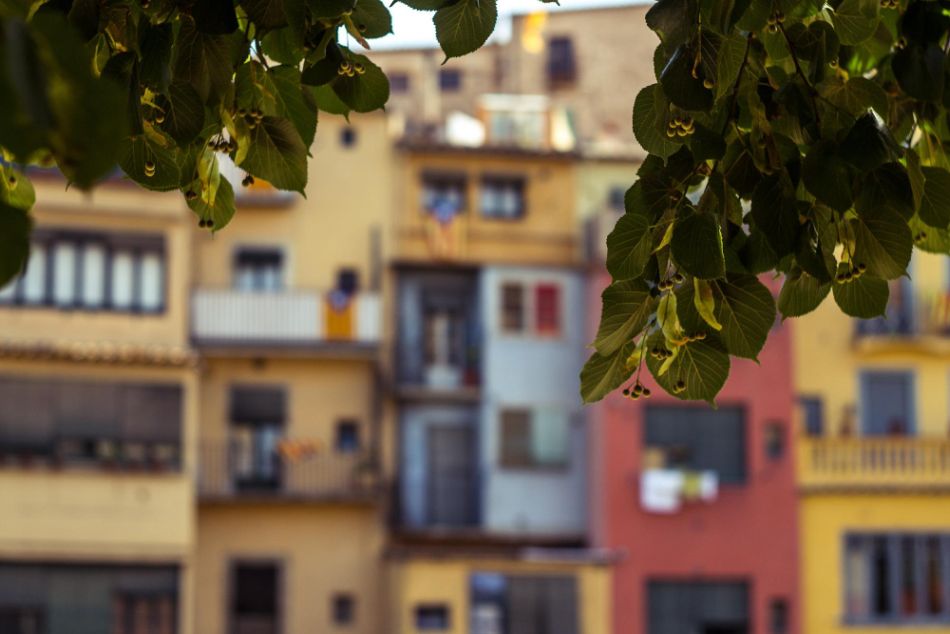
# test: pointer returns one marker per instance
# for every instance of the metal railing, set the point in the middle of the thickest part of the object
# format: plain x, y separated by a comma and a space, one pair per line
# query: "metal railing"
226, 473
920, 313
874, 462
284, 317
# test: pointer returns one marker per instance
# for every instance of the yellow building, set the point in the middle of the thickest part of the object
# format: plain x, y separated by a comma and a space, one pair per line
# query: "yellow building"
874, 461
99, 417
490, 531
287, 315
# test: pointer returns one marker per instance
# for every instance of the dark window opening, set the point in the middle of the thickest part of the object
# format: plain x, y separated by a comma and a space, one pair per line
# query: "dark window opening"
450, 80
259, 269
399, 82
774, 440
348, 281
443, 195
699, 438
615, 198
518, 603
254, 601
344, 609
812, 411
348, 137
547, 304
887, 403
432, 617
562, 65
778, 616
503, 197
347, 436
257, 429
512, 307
705, 607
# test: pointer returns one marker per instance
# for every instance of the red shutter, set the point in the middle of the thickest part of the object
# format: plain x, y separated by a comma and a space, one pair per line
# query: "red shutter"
548, 307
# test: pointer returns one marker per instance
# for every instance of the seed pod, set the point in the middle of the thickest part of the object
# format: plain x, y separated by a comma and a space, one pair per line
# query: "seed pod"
190, 194
248, 180
11, 180
646, 392
708, 84
678, 278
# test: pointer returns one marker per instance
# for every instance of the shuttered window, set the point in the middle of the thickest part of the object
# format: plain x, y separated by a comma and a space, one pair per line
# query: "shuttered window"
258, 404
699, 438
547, 309
675, 607
534, 438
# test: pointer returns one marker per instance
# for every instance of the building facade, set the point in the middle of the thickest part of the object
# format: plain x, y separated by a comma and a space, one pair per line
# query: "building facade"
99, 418
873, 468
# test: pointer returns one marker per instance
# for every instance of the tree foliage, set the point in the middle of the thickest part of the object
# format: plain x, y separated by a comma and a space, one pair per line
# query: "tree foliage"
162, 89
800, 138
803, 138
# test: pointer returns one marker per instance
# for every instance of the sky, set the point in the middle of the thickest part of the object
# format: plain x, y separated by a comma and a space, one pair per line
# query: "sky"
414, 28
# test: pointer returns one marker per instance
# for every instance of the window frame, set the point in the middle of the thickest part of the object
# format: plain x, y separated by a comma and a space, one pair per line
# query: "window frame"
454, 86
112, 243
893, 541
246, 250
280, 586
530, 461
520, 184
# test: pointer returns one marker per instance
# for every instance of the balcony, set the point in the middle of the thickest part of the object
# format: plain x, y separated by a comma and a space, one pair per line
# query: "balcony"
874, 463
911, 314
295, 472
298, 320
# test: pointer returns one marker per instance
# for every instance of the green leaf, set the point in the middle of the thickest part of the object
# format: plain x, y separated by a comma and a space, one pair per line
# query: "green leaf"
629, 246
705, 303
277, 154
204, 61
462, 27
855, 20
604, 374
627, 305
886, 186
16, 190
883, 242
680, 85
330, 8
220, 211
215, 17
854, 96
667, 317
184, 113
137, 151
425, 5
363, 92
928, 238
293, 102
919, 71
827, 176
775, 213
801, 293
328, 101
746, 311
731, 53
702, 366
671, 20
15, 227
935, 199
372, 18
266, 14
863, 297
697, 246
650, 116
868, 143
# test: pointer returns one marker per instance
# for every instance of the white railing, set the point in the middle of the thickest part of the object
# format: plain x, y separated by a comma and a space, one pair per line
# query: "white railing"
283, 317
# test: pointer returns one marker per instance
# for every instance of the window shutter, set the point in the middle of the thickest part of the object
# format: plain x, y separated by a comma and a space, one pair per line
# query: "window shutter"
512, 307
152, 413
561, 605
516, 450
548, 307
260, 405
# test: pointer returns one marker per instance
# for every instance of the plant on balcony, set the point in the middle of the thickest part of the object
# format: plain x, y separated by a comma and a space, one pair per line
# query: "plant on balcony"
800, 138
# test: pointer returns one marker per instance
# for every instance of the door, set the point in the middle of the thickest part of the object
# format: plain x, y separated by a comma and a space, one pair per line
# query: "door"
255, 597
887, 400
450, 478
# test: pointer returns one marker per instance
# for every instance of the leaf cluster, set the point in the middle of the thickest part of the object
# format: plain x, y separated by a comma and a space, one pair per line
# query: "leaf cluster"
801, 139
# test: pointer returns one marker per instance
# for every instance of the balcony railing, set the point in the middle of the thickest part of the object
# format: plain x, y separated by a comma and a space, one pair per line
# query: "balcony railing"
293, 472
920, 314
874, 463
292, 317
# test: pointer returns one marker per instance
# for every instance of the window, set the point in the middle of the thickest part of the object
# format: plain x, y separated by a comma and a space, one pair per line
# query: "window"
778, 616
615, 198
348, 137
91, 423
812, 411
259, 270
254, 597
503, 197
399, 82
257, 427
348, 281
562, 66
533, 439
344, 609
512, 307
536, 604
887, 403
896, 578
432, 617
106, 598
712, 607
347, 436
92, 271
443, 194
548, 309
774, 440
450, 80
699, 438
